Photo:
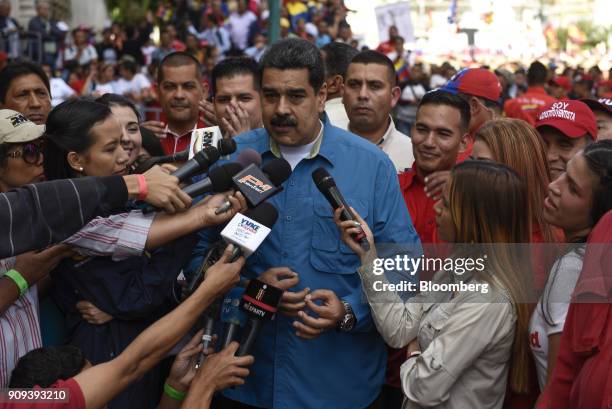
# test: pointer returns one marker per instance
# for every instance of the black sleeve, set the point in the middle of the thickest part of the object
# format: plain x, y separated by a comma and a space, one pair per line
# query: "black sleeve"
35, 216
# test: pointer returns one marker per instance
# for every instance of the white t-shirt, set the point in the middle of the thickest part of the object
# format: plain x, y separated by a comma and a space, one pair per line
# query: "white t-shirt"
136, 84
108, 88
239, 27
558, 292
88, 55
60, 91
295, 154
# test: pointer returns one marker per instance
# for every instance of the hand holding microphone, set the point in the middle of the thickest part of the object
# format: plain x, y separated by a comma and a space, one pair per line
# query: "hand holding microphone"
326, 185
349, 229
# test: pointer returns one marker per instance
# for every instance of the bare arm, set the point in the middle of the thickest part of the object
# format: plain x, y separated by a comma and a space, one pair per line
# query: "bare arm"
150, 347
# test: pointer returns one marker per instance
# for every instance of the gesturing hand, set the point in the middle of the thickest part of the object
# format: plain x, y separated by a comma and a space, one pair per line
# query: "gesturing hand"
282, 277
329, 313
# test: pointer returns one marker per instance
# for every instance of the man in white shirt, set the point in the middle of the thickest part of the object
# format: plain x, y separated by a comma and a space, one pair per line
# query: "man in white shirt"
336, 58
370, 94
60, 91
132, 84
239, 23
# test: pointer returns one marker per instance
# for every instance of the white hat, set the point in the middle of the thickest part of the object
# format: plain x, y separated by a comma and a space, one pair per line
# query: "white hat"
16, 128
312, 30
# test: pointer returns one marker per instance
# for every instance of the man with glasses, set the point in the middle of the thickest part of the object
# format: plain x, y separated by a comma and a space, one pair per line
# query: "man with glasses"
20, 150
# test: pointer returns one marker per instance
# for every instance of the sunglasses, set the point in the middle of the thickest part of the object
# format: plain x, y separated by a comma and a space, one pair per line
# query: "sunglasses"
31, 153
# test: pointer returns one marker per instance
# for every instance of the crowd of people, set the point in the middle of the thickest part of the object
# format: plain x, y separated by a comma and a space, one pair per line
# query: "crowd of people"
515, 164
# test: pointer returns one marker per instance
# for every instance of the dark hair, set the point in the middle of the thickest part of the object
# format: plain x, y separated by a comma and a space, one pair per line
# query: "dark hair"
177, 59
537, 74
68, 129
45, 366
440, 97
374, 57
295, 54
598, 156
129, 64
230, 67
115, 100
17, 69
151, 143
336, 58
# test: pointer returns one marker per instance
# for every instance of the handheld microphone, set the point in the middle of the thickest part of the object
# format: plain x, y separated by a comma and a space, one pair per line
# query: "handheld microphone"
258, 185
260, 302
231, 315
156, 160
326, 185
219, 180
246, 233
200, 162
202, 137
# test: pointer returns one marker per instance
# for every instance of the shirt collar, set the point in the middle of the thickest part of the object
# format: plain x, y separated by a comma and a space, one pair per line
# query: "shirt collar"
316, 148
537, 90
388, 136
169, 132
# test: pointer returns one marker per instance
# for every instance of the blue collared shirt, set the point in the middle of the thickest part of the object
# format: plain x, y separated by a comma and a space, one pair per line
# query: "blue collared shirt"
336, 370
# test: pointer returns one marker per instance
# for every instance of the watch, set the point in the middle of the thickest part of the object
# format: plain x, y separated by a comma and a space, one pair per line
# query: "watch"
349, 320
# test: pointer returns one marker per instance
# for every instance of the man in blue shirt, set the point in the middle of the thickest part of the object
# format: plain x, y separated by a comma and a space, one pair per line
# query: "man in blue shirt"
322, 349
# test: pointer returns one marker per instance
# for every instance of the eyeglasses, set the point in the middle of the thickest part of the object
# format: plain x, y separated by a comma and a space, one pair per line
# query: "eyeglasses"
30, 152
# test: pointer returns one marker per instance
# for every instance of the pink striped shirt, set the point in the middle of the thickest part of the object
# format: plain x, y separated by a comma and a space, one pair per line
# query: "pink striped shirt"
19, 328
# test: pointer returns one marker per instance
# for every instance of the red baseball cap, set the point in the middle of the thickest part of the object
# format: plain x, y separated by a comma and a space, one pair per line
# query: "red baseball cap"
572, 118
562, 82
478, 82
601, 104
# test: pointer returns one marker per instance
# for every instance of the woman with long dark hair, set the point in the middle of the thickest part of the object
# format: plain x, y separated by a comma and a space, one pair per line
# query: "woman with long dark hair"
84, 139
576, 201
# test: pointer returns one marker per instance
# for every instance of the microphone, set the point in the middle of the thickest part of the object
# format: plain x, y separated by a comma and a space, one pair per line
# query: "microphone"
201, 161
231, 315
258, 185
260, 302
245, 231
156, 160
226, 146
326, 185
219, 180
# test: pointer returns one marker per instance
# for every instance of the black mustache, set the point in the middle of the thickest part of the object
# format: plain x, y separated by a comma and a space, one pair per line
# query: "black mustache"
283, 121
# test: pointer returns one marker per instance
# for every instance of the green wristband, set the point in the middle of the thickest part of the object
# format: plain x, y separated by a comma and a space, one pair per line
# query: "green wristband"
173, 393
21, 282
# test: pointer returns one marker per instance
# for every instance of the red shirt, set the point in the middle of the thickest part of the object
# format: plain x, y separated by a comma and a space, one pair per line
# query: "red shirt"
423, 218
527, 106
173, 143
582, 378
420, 206
76, 400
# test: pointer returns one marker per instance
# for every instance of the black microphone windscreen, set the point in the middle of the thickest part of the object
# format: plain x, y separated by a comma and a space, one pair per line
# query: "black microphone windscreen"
278, 170
221, 176
322, 179
207, 156
226, 146
249, 156
265, 213
181, 156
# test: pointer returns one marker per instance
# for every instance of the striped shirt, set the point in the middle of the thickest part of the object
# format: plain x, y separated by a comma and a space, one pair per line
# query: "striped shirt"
19, 328
120, 236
